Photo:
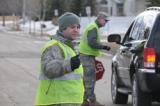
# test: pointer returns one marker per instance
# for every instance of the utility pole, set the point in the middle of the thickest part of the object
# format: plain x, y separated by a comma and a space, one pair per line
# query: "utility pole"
110, 7
43, 14
3, 18
24, 11
88, 11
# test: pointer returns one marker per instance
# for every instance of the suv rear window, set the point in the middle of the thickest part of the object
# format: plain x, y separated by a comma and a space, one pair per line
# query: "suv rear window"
155, 37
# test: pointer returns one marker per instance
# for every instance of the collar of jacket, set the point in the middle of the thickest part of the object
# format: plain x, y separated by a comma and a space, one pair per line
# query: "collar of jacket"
60, 37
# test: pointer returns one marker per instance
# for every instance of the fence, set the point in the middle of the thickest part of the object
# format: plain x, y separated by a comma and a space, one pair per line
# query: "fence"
9, 18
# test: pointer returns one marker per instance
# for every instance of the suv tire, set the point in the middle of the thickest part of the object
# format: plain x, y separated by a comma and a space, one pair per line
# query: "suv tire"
139, 98
117, 97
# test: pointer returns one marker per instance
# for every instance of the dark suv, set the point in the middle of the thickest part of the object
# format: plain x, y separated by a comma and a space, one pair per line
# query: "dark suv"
136, 65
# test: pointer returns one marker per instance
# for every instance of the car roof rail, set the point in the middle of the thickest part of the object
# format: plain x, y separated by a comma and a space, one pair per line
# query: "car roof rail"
153, 8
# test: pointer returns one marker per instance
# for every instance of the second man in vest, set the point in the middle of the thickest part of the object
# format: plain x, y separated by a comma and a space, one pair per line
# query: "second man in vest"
89, 48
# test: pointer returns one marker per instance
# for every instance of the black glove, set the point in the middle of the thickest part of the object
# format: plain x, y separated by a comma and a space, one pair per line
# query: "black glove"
75, 62
106, 48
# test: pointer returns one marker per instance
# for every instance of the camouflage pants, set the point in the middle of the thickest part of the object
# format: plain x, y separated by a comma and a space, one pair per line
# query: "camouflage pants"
88, 63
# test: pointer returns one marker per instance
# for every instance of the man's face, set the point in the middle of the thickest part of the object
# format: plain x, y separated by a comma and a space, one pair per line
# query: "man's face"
72, 31
102, 21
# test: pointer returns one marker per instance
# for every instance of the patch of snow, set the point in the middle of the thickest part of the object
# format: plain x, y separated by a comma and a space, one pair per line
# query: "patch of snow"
115, 25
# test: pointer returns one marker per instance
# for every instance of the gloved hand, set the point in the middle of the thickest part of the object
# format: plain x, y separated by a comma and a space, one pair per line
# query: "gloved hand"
75, 62
106, 48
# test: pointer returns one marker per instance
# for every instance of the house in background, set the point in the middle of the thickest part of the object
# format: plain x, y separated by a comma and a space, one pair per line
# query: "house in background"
33, 8
121, 7
134, 7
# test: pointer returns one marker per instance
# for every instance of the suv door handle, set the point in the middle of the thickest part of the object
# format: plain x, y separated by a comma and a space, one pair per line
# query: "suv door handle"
122, 51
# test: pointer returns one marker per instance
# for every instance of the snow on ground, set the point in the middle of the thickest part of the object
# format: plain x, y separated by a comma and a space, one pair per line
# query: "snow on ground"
115, 25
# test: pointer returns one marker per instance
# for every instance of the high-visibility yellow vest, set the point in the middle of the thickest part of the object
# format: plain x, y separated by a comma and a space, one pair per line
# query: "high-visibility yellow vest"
68, 88
84, 47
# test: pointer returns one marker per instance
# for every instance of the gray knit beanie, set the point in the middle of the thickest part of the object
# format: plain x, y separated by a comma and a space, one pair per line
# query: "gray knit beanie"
67, 19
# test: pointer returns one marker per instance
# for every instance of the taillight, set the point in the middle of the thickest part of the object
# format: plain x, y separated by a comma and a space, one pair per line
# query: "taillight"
149, 57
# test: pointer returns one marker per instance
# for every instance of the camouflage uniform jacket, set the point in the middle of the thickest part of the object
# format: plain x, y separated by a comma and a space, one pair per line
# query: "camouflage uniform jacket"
53, 63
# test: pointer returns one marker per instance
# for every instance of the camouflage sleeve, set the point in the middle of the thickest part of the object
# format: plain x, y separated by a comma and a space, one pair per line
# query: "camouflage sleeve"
53, 63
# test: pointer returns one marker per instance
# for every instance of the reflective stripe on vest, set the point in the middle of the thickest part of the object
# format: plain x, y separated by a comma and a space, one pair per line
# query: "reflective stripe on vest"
69, 76
62, 90
84, 47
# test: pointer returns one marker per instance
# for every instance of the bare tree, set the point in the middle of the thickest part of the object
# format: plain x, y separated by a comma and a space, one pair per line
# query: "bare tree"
4, 7
4, 10
33, 8
10, 6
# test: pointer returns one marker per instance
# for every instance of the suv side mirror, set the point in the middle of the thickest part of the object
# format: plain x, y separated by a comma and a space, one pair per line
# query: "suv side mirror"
114, 38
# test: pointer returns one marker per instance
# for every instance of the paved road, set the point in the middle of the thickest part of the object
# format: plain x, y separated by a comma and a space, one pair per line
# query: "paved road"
19, 58
103, 86
19, 65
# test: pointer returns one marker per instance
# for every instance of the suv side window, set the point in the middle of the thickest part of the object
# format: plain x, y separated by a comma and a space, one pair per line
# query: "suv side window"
133, 30
145, 28
126, 37
137, 28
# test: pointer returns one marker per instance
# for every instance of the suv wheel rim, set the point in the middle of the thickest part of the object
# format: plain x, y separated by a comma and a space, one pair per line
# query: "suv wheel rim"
134, 93
114, 86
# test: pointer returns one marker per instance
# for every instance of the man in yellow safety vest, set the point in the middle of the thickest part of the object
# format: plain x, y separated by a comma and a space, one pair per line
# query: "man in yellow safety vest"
61, 75
89, 48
